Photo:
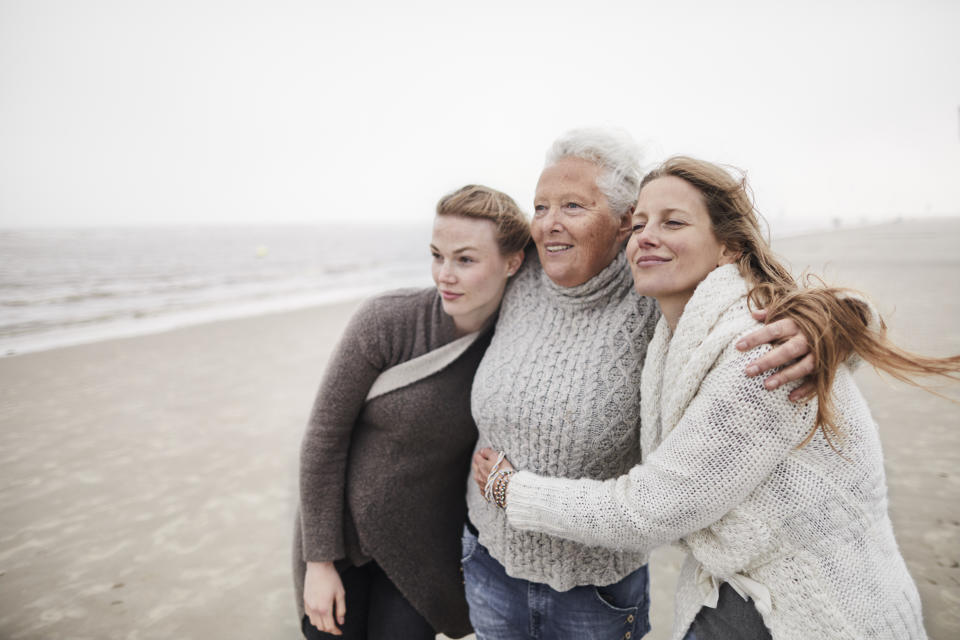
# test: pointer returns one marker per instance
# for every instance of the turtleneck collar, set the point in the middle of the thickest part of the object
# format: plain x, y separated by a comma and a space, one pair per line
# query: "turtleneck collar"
612, 278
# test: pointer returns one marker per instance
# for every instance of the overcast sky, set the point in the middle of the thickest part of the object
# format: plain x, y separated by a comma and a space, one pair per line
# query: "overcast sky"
135, 112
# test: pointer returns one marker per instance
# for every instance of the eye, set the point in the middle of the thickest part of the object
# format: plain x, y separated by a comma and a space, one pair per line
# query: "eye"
436, 256
675, 224
539, 209
638, 227
466, 260
572, 205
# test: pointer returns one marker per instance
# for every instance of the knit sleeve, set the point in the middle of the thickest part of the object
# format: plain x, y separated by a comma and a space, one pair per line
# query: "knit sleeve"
354, 365
730, 438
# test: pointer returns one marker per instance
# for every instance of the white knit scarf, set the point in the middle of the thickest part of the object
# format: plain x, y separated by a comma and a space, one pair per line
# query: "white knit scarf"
683, 358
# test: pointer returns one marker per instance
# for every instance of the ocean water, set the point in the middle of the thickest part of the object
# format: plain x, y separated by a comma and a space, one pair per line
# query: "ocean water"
68, 286
60, 287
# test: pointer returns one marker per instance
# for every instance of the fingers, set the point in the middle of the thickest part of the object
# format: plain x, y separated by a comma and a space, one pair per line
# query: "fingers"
479, 477
487, 453
794, 350
802, 392
341, 605
760, 315
322, 591
780, 355
483, 460
322, 619
783, 328
328, 624
478, 461
794, 372
321, 614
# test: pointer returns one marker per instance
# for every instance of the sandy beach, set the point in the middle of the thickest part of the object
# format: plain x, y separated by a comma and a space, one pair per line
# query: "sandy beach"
147, 485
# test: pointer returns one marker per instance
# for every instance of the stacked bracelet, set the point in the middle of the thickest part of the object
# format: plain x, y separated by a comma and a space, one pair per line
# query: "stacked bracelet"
488, 489
497, 480
500, 487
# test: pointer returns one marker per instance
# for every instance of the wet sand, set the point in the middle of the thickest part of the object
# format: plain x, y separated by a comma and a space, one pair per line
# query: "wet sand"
147, 484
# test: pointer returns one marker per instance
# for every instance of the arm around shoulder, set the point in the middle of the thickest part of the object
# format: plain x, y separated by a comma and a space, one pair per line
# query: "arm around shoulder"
729, 439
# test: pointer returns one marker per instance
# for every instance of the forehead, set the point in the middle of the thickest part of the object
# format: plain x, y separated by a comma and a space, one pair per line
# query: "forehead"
569, 174
670, 192
461, 231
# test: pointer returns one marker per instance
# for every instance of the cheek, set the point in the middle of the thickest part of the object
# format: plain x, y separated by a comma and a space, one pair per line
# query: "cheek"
487, 278
491, 280
700, 259
536, 229
601, 237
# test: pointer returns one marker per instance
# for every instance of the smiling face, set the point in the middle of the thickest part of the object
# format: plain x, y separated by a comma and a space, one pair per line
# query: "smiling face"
673, 247
469, 270
576, 234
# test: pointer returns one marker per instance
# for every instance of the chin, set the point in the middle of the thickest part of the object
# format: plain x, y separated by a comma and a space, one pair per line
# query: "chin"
555, 272
649, 289
450, 310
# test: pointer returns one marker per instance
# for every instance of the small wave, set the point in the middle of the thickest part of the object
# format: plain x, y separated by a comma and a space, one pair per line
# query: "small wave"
63, 286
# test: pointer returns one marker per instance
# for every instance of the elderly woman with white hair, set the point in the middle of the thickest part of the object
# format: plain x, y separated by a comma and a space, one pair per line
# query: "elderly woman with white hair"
559, 389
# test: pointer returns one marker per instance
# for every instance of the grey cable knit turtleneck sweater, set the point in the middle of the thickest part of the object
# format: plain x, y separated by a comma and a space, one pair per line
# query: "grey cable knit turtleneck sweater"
559, 391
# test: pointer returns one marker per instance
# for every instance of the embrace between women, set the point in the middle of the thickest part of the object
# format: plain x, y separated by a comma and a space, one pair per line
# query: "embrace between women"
781, 505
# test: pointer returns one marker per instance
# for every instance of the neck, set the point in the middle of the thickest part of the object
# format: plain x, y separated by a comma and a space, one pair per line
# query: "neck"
463, 327
472, 322
672, 308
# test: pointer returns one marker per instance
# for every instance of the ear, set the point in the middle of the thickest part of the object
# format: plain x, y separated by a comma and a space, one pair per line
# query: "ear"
514, 262
727, 256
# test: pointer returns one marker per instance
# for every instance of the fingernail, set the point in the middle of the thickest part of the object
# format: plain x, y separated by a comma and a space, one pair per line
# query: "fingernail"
742, 345
771, 384
753, 370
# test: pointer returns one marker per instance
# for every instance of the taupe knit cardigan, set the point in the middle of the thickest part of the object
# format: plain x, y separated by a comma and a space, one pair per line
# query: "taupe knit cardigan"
386, 479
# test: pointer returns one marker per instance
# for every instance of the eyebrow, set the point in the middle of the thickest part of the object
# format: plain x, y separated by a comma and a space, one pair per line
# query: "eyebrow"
460, 250
568, 195
670, 210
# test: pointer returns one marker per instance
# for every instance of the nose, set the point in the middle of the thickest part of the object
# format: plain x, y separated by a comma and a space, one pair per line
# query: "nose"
551, 219
446, 273
647, 237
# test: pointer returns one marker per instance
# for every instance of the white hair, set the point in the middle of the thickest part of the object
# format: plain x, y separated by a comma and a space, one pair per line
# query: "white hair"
615, 152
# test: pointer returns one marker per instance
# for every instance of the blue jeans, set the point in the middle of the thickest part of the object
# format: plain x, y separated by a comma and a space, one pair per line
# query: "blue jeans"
505, 608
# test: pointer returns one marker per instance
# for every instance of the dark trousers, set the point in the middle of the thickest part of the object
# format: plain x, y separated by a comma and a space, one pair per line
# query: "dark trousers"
375, 609
733, 619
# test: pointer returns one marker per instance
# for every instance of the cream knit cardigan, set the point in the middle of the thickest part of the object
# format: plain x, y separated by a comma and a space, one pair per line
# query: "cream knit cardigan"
804, 531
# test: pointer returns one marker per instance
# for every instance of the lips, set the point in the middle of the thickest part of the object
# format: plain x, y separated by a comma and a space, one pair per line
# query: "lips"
557, 248
450, 295
650, 261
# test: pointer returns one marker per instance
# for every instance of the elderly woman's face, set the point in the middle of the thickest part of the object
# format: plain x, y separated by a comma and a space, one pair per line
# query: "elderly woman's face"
576, 234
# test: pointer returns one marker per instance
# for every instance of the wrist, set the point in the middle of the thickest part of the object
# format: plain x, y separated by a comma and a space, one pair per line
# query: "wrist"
500, 484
